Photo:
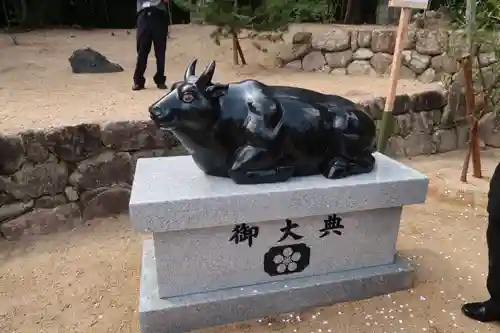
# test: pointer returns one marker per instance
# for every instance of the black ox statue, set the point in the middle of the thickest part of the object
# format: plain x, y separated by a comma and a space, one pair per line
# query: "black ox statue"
254, 133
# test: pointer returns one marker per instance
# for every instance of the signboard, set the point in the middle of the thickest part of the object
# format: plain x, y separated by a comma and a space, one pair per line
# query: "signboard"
416, 4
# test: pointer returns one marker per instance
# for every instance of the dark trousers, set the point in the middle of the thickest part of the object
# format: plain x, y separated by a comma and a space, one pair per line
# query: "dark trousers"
493, 241
493, 236
152, 29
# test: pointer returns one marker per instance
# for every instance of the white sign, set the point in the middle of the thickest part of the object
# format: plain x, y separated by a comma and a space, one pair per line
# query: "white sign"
416, 4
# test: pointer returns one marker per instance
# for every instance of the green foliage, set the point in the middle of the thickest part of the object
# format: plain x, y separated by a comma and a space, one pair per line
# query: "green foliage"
230, 18
487, 12
486, 39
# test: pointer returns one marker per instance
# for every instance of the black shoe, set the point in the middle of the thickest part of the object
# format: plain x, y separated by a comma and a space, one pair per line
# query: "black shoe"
162, 86
136, 87
484, 312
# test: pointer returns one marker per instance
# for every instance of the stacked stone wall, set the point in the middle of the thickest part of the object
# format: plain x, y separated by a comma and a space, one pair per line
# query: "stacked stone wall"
357, 52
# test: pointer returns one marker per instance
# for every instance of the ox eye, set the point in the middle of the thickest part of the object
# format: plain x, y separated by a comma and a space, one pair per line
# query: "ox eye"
187, 98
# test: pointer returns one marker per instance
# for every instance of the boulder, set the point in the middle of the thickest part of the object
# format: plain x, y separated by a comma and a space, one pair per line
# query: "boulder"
106, 203
36, 180
339, 59
360, 68
432, 42
489, 129
90, 61
381, 62
74, 143
42, 221
106, 169
362, 54
383, 41
135, 135
334, 41
11, 154
313, 61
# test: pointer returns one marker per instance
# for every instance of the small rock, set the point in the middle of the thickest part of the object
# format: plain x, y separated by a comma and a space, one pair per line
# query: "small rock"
419, 143
410, 40
71, 194
13, 210
296, 64
444, 63
35, 145
287, 53
11, 154
302, 37
90, 61
354, 40
417, 62
339, 59
431, 42
362, 54
428, 100
406, 73
50, 201
110, 202
381, 62
360, 68
403, 124
383, 41
428, 76
364, 39
338, 71
313, 61
486, 59
489, 129
445, 140
395, 147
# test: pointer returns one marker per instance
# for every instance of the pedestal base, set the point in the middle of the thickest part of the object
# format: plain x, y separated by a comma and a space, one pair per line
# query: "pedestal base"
186, 313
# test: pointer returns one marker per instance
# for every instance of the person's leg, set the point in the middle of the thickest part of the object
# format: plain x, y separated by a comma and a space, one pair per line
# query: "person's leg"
493, 240
490, 310
144, 40
160, 47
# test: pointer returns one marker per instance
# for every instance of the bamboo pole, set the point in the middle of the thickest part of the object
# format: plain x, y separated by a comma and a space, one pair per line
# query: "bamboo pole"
386, 125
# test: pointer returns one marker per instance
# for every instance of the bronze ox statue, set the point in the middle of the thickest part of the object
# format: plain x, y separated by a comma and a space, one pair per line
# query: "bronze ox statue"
255, 133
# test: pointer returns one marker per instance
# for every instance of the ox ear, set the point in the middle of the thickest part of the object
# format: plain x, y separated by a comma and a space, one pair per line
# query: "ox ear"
190, 70
217, 90
206, 77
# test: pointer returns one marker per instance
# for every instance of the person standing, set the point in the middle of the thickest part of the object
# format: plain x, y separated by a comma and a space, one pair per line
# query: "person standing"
489, 311
152, 29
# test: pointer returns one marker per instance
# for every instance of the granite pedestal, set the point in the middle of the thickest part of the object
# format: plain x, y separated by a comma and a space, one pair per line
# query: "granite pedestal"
223, 252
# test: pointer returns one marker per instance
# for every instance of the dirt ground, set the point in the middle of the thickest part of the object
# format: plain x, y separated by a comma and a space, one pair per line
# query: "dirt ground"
37, 88
87, 280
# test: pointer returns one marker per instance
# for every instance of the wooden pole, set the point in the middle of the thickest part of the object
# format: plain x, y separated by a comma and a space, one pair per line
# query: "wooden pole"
386, 125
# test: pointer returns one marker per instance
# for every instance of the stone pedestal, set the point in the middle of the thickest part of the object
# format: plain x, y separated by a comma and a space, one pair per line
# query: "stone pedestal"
223, 252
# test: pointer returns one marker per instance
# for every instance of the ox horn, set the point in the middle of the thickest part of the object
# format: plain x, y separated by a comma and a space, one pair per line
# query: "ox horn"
207, 75
190, 70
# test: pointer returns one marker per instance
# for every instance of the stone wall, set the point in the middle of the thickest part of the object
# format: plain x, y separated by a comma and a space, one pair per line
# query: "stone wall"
355, 51
58, 178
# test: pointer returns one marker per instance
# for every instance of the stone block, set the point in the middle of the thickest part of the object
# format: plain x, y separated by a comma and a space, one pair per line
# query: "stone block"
195, 311
229, 261
172, 193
